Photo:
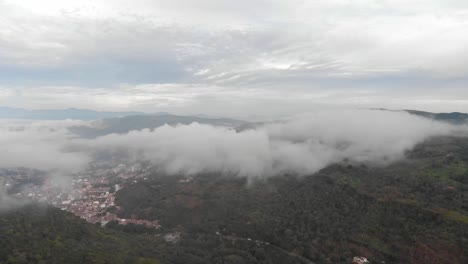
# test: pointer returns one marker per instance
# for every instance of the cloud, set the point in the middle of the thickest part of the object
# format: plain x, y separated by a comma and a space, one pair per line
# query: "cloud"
7, 202
301, 145
248, 59
255, 103
110, 53
171, 41
39, 145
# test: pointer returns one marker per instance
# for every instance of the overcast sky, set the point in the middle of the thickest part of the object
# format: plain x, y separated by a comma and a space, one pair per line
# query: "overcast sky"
234, 58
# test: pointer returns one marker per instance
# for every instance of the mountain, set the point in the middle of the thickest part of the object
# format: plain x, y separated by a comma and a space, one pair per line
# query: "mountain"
125, 124
59, 114
455, 118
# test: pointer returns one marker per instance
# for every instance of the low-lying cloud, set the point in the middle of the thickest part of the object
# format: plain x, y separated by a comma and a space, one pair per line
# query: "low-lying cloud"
39, 145
302, 144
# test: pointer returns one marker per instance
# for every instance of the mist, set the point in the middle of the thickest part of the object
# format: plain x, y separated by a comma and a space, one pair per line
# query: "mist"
7, 202
301, 144
39, 145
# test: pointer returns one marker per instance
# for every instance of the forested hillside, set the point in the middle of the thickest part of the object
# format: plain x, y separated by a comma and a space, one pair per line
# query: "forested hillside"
46, 235
413, 211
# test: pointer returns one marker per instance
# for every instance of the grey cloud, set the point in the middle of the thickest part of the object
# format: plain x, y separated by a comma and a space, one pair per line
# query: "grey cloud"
248, 58
294, 40
39, 145
300, 145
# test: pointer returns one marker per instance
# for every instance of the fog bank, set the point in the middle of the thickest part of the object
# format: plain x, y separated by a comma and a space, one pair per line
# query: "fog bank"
40, 145
301, 144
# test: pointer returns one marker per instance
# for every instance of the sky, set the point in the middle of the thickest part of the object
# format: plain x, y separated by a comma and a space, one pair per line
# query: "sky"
241, 58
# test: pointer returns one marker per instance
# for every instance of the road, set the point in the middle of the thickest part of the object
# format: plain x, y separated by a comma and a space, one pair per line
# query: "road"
236, 238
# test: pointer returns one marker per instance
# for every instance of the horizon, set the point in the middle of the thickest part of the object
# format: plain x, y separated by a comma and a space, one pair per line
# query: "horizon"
80, 114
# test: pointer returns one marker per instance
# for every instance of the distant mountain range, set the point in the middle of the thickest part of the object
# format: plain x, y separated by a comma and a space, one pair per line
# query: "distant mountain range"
59, 114
125, 124
455, 118
122, 122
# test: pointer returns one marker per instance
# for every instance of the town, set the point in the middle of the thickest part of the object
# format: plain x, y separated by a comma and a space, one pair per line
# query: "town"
91, 194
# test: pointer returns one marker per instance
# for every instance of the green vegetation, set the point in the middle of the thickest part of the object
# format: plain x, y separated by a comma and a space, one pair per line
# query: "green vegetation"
384, 213
451, 174
41, 234
453, 215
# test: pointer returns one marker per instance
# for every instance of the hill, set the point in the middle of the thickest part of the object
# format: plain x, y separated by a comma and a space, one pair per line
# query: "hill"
455, 118
40, 234
414, 211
